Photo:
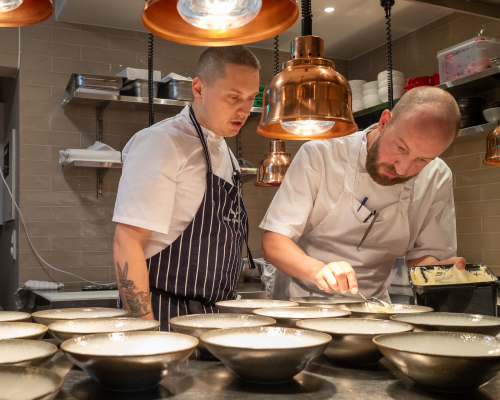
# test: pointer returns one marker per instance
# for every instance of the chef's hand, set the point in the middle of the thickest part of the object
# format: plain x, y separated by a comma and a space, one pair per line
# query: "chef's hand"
337, 277
458, 261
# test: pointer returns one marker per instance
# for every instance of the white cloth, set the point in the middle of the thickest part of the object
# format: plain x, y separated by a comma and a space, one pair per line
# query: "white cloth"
316, 183
164, 178
97, 152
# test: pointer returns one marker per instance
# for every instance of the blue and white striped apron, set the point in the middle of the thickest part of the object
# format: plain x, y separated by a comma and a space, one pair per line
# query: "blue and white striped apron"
202, 264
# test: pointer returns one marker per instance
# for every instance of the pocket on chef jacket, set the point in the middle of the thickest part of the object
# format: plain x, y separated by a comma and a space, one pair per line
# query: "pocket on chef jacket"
364, 212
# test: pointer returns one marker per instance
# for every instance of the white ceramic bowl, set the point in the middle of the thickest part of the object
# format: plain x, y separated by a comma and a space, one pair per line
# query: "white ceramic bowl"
382, 76
397, 93
22, 330
357, 90
443, 361
371, 100
370, 85
376, 311
357, 105
26, 353
249, 305
452, 322
64, 330
29, 383
357, 96
357, 83
492, 114
197, 324
352, 337
129, 361
14, 316
48, 317
289, 316
396, 81
265, 354
368, 92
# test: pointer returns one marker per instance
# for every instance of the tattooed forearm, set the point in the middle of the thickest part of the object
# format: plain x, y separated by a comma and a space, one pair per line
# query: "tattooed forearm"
138, 302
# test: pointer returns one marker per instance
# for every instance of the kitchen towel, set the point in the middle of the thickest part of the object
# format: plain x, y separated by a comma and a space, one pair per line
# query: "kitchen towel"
25, 298
174, 76
97, 152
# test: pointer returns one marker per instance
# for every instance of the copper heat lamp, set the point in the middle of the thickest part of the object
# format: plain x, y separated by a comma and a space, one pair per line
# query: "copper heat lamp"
493, 147
308, 99
162, 18
30, 12
272, 169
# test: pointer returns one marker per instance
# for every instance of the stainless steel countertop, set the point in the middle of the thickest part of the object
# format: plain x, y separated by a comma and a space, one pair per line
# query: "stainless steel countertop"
202, 379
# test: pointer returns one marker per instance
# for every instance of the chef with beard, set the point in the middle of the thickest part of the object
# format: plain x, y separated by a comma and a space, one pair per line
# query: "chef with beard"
350, 206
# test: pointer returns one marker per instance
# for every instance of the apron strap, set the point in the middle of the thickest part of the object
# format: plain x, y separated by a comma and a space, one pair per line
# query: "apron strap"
202, 138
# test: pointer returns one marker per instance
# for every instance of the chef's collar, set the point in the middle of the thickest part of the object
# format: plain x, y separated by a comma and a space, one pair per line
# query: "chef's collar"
206, 132
363, 151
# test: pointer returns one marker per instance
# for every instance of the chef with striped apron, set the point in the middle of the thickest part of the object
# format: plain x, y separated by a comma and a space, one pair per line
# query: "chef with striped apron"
179, 210
204, 263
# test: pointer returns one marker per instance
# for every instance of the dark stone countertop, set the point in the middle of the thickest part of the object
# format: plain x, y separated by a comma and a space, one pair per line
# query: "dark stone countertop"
205, 379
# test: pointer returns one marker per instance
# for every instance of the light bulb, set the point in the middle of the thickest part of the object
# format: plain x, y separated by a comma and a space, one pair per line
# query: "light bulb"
309, 127
218, 14
329, 9
9, 5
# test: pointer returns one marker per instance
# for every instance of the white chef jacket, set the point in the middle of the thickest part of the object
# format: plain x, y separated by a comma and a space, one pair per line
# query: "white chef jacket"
164, 178
315, 181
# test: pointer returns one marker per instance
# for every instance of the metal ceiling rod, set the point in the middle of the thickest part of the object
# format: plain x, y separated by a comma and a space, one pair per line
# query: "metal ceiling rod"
306, 18
387, 5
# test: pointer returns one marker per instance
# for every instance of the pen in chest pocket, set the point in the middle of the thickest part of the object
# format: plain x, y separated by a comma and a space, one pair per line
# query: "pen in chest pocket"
362, 203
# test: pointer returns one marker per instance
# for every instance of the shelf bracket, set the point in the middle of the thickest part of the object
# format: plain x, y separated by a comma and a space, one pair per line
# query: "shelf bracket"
101, 173
102, 105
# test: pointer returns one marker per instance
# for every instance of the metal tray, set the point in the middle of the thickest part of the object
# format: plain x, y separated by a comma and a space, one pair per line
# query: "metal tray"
139, 88
176, 90
96, 82
472, 298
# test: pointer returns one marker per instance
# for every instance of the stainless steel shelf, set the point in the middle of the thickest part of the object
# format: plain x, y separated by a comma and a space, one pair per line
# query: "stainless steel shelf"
470, 85
92, 164
102, 99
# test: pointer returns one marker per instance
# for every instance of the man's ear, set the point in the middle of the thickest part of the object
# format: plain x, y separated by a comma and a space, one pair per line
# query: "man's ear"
384, 120
197, 87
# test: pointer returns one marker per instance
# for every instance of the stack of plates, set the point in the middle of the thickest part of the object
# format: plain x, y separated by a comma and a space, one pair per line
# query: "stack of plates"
357, 94
370, 94
470, 111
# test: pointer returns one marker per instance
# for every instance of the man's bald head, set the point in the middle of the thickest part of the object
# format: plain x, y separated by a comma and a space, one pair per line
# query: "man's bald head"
421, 126
418, 99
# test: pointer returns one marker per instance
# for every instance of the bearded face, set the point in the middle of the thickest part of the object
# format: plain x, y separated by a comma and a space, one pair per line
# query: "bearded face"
373, 167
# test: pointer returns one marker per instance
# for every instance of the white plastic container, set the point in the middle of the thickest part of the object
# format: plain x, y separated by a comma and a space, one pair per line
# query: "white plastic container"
467, 58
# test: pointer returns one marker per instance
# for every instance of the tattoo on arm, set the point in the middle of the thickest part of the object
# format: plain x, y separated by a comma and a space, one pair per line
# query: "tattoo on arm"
137, 301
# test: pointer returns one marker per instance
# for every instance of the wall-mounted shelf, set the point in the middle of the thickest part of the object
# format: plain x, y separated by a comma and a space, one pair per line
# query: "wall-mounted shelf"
469, 85
101, 101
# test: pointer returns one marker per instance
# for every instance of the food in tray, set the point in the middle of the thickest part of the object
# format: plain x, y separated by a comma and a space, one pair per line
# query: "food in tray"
449, 276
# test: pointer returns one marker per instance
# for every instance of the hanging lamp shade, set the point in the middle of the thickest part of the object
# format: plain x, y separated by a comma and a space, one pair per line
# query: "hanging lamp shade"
162, 18
271, 170
493, 147
30, 12
308, 99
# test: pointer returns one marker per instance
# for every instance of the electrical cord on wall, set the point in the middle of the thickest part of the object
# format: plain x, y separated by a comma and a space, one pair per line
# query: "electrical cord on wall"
33, 247
18, 55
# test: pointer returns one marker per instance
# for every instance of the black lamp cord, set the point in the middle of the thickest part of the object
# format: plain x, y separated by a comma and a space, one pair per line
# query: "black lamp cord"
306, 18
387, 4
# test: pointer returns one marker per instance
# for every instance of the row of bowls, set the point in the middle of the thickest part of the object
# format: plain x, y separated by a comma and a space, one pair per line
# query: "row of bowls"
370, 94
122, 357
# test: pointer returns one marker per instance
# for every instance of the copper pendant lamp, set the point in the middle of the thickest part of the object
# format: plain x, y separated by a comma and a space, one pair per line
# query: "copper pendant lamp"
162, 18
272, 169
493, 147
308, 99
30, 12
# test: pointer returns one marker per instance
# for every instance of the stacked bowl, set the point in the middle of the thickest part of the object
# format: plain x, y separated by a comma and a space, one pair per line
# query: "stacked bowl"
398, 85
357, 95
370, 94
